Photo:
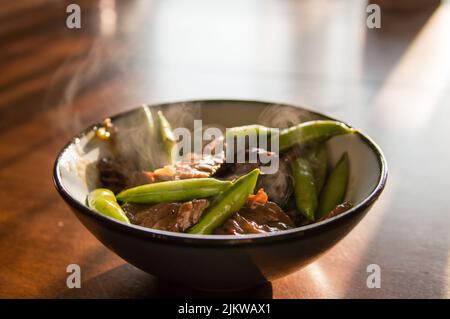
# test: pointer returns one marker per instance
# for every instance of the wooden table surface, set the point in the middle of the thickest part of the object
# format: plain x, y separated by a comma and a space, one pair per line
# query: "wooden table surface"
391, 82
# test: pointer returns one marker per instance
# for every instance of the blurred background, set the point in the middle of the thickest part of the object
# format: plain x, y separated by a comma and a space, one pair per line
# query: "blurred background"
392, 82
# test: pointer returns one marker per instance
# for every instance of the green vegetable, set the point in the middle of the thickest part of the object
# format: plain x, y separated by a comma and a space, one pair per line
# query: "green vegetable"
104, 202
136, 132
228, 203
173, 191
252, 131
312, 131
335, 187
318, 159
305, 190
167, 138
248, 130
146, 137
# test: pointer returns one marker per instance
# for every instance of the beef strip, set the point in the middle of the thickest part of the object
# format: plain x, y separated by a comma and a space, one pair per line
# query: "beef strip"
192, 166
278, 186
255, 219
176, 217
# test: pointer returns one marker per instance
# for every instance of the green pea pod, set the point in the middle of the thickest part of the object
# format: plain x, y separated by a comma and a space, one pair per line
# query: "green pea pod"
104, 202
335, 187
228, 203
136, 132
318, 159
251, 131
173, 191
312, 131
167, 138
305, 190
248, 130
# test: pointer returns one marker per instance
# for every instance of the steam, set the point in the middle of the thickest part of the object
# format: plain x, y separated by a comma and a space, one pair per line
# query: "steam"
107, 56
280, 116
65, 117
279, 185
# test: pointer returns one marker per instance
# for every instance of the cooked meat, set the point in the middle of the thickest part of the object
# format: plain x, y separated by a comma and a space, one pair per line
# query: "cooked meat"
259, 218
176, 217
193, 166
113, 173
118, 173
278, 186
234, 170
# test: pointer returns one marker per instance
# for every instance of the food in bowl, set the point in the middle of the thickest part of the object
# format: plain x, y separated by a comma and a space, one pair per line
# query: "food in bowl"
146, 181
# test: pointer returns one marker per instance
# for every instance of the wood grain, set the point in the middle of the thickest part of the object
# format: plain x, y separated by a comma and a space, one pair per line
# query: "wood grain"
55, 81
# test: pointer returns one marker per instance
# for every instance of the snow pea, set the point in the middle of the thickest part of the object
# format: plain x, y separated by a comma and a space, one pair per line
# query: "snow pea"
248, 130
252, 131
227, 203
304, 187
173, 191
136, 132
167, 138
311, 131
104, 202
335, 187
318, 159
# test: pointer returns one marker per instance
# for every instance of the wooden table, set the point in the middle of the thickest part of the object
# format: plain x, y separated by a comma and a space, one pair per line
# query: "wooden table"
391, 82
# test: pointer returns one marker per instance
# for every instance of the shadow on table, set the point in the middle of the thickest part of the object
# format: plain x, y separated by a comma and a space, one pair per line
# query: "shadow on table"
126, 281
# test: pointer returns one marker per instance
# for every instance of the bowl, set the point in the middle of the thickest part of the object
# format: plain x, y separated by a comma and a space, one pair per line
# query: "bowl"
222, 262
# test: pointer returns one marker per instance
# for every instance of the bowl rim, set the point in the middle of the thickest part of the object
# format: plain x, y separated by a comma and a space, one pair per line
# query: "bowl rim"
223, 240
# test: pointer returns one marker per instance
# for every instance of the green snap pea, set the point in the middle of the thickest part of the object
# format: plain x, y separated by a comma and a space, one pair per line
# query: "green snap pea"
335, 187
312, 131
304, 187
318, 159
135, 131
228, 203
104, 202
248, 130
167, 137
251, 131
173, 191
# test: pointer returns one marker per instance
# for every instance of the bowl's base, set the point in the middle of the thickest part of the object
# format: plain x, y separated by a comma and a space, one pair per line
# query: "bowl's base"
258, 290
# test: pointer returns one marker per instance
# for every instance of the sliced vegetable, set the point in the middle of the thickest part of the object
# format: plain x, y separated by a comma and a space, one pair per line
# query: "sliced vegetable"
173, 191
227, 203
335, 187
104, 202
259, 198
